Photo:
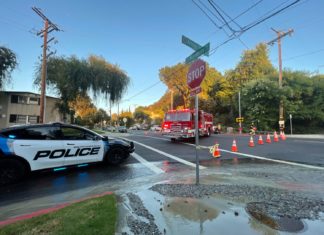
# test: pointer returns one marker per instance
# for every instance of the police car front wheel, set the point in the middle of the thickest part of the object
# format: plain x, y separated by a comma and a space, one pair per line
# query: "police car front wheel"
11, 171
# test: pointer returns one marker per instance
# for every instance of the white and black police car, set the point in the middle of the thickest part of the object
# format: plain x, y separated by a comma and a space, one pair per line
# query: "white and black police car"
54, 146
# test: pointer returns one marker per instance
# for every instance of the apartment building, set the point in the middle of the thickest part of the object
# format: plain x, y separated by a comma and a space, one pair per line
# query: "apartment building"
18, 107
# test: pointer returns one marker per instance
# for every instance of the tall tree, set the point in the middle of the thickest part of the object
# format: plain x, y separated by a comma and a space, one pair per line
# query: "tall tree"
8, 62
71, 77
254, 64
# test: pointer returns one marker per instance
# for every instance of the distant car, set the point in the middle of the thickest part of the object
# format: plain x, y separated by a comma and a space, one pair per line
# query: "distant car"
135, 127
156, 128
122, 129
110, 128
55, 146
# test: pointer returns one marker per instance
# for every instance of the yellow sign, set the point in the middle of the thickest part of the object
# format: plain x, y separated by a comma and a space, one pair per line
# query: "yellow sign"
239, 119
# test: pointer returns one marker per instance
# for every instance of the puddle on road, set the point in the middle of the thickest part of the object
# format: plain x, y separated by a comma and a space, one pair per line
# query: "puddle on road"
214, 215
177, 215
275, 222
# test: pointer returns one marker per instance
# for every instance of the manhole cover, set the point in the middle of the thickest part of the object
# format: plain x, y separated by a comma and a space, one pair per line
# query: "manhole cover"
262, 212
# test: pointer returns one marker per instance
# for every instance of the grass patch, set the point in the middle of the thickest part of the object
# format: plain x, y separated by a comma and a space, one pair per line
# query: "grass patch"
93, 216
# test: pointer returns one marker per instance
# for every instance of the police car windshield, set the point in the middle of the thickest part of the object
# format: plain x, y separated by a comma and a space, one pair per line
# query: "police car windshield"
178, 116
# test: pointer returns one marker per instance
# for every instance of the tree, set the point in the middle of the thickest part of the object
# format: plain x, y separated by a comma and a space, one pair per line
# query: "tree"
140, 115
8, 62
220, 101
254, 64
261, 98
175, 78
71, 77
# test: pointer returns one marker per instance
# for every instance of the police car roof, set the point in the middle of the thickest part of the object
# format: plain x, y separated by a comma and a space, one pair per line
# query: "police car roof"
23, 126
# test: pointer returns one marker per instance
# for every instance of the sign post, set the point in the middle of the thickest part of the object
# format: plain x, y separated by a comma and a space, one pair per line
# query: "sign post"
290, 117
195, 76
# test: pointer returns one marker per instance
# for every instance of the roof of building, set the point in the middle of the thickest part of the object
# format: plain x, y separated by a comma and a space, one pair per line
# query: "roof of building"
27, 92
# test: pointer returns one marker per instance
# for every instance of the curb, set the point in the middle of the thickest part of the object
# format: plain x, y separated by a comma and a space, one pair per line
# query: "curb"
48, 210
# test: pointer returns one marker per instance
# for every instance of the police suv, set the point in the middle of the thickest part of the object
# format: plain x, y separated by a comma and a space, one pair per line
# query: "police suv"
52, 146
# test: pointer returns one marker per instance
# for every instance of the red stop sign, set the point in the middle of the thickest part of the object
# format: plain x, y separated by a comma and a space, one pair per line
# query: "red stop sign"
196, 73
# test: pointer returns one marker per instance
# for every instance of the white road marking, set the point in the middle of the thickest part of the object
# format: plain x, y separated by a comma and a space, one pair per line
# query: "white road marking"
309, 141
168, 155
267, 159
256, 157
149, 165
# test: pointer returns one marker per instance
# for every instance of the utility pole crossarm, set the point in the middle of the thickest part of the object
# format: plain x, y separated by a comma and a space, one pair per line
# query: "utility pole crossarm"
280, 35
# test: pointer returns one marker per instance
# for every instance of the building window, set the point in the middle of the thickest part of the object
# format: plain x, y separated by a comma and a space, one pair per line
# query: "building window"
33, 100
33, 119
14, 99
14, 118
19, 99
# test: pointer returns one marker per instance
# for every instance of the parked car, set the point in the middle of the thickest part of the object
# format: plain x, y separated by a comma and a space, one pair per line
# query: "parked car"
156, 128
135, 127
122, 129
55, 146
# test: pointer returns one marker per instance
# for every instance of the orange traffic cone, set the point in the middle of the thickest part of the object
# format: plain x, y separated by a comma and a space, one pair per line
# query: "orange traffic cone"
215, 151
234, 147
251, 143
260, 141
275, 137
268, 140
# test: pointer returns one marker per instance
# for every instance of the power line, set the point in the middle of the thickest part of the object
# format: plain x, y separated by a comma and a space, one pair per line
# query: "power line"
224, 20
305, 54
230, 18
246, 28
255, 23
206, 14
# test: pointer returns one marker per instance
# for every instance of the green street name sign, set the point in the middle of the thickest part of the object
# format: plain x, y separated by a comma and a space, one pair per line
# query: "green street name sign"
199, 50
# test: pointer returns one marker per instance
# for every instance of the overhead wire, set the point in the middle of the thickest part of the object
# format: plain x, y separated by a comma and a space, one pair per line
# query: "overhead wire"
255, 23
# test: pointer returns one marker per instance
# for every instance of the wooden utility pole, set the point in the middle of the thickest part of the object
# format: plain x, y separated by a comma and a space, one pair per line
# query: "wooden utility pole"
171, 106
278, 40
48, 27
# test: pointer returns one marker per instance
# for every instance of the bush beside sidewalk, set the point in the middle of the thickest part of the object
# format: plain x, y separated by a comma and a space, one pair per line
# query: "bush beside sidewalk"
92, 216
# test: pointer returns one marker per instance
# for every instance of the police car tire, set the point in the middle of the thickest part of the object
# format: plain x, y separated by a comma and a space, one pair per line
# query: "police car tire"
116, 156
11, 170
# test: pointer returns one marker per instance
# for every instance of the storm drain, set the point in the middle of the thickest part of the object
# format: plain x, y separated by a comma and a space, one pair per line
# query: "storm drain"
266, 214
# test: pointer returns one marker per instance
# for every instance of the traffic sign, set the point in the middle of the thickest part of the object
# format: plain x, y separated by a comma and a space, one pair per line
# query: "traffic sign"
195, 91
201, 51
196, 74
195, 46
241, 119
124, 120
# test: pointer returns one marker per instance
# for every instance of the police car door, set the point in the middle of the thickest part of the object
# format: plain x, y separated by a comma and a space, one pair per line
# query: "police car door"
81, 146
39, 146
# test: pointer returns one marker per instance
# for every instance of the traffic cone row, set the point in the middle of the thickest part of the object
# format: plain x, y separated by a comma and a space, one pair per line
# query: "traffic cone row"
215, 151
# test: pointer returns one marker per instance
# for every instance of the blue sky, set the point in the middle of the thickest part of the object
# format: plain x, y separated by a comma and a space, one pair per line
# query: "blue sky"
143, 36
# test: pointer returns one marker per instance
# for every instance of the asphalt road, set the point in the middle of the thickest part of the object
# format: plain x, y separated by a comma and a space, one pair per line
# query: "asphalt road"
305, 151
154, 154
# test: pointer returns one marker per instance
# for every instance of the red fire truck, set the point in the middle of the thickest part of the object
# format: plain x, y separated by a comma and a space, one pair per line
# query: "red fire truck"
180, 124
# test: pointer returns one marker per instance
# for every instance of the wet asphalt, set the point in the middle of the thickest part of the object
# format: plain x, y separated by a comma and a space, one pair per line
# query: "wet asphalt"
44, 189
